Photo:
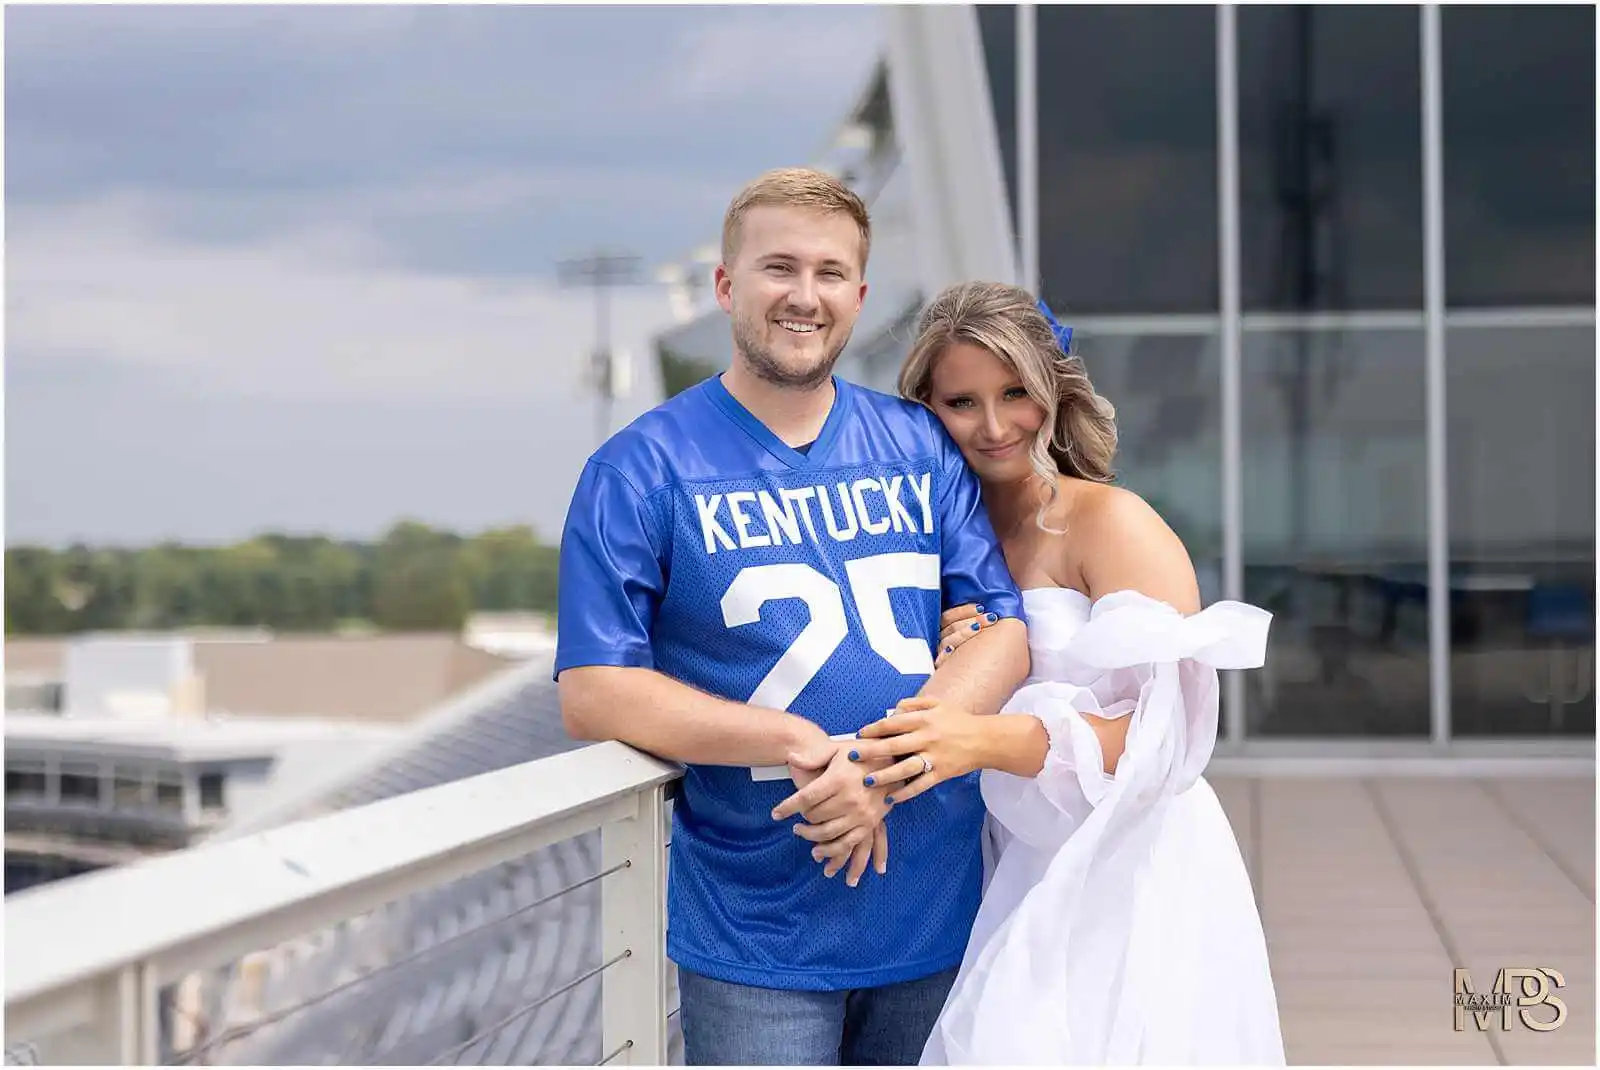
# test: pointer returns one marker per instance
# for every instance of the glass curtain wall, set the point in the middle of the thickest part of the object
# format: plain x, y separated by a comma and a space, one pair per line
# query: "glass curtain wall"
1334, 434
1333, 341
1519, 200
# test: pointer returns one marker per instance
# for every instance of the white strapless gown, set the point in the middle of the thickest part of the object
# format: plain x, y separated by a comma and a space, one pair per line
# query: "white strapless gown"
1118, 924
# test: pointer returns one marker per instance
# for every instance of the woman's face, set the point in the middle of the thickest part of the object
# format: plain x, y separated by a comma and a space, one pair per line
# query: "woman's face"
982, 403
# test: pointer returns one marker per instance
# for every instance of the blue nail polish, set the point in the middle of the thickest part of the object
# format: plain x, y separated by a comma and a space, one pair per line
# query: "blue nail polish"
993, 618
974, 626
948, 649
868, 782
889, 799
855, 756
979, 609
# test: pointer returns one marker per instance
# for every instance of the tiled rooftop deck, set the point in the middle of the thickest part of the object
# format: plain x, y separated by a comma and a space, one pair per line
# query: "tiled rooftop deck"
1372, 890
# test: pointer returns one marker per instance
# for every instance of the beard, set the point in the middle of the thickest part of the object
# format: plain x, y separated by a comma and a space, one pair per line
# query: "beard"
768, 368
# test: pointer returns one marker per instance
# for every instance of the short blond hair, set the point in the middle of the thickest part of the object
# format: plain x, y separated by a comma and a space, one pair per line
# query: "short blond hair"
796, 187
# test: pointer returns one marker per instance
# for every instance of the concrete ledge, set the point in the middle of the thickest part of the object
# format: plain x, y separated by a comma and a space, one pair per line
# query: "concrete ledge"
1510, 766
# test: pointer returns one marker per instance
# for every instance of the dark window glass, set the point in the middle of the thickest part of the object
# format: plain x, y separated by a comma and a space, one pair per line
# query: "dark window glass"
1128, 159
1330, 158
80, 783
211, 788
997, 25
1518, 155
25, 782
1167, 390
1521, 443
169, 795
1335, 530
127, 788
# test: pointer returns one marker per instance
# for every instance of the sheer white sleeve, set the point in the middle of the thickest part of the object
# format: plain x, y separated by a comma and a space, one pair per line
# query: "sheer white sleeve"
1139, 658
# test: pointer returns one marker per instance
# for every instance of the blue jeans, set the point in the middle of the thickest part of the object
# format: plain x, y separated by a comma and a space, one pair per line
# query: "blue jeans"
728, 1024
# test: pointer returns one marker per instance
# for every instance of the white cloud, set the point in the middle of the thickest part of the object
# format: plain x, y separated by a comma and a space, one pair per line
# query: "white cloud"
223, 223
779, 55
316, 311
152, 35
462, 191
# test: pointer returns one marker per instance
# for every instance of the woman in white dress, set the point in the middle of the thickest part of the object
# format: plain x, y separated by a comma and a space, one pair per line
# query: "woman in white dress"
1118, 924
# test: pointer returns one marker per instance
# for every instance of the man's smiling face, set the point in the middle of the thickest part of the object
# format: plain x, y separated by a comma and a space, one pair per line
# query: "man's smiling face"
794, 289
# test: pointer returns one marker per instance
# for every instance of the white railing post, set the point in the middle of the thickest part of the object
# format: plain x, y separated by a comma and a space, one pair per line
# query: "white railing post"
124, 1027
633, 921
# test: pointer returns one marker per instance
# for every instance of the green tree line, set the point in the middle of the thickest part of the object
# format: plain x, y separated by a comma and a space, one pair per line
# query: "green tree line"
415, 578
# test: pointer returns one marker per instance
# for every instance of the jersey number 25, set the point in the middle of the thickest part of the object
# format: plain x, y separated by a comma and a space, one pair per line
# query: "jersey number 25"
871, 580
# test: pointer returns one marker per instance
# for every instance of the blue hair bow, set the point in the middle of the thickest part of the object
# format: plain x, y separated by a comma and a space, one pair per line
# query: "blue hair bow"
1063, 334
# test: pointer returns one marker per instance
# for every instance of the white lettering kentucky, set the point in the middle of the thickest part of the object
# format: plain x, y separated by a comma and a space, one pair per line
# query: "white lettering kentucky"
746, 519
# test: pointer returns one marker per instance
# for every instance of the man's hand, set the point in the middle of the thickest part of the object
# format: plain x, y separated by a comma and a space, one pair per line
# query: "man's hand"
844, 817
812, 754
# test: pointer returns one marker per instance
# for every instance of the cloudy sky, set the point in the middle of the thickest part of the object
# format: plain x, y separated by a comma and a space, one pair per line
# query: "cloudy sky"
293, 269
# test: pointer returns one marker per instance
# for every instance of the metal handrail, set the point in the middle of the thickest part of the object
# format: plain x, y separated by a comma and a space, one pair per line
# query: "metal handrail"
94, 951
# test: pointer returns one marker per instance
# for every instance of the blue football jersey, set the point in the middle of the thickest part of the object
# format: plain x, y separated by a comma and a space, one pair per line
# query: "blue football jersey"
700, 545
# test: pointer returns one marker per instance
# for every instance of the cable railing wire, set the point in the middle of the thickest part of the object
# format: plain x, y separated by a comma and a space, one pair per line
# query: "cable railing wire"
626, 1044
456, 1051
240, 1032
618, 1050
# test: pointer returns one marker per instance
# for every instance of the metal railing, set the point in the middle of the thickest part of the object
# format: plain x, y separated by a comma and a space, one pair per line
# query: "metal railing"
177, 960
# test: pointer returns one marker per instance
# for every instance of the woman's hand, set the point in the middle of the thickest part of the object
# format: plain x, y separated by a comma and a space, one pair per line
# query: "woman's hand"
942, 742
958, 625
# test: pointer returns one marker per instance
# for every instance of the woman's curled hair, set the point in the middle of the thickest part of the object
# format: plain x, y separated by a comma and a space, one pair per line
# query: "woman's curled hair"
1079, 435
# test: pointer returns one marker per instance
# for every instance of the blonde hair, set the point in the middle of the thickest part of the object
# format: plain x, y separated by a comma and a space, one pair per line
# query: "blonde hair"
795, 187
1079, 435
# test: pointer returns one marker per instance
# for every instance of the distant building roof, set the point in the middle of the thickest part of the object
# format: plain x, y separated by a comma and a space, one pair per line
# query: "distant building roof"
34, 658
390, 678
384, 677
511, 635
512, 717
263, 760
181, 738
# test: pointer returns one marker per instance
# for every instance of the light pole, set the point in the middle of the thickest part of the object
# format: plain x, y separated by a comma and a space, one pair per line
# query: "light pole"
600, 272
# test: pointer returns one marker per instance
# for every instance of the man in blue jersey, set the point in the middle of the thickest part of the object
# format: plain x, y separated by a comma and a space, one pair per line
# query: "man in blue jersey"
749, 570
